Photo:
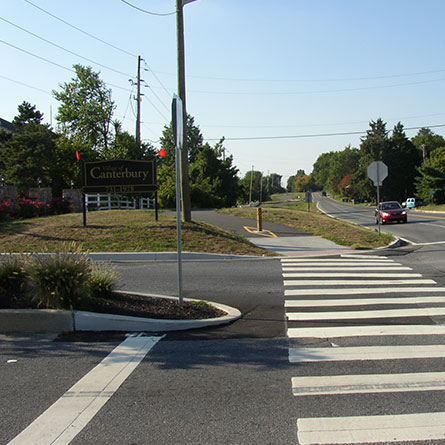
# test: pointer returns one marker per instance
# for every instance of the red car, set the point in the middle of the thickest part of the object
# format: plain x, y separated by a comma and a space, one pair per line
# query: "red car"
390, 211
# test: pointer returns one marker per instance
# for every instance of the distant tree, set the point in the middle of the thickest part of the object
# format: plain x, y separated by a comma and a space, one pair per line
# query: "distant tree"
304, 183
124, 146
29, 158
213, 180
430, 184
290, 183
272, 184
373, 147
86, 109
402, 159
322, 170
426, 141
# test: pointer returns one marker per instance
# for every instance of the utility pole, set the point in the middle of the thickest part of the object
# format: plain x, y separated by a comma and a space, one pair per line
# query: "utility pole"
185, 189
138, 100
250, 191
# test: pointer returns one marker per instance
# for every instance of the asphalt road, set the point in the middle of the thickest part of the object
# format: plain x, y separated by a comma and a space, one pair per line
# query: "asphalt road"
235, 384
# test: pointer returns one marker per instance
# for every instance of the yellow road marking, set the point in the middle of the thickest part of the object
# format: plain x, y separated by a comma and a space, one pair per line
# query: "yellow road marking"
426, 216
254, 230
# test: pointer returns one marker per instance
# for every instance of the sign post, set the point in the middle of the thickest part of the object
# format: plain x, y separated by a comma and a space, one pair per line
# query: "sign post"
178, 133
378, 171
308, 199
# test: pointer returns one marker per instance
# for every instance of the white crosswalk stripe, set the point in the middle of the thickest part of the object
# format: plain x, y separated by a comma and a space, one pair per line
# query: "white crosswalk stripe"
353, 298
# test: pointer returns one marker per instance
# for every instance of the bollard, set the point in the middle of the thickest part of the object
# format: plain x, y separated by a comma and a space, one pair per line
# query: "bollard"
259, 219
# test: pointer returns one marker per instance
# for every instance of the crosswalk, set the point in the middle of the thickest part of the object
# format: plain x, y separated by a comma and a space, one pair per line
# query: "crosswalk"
357, 311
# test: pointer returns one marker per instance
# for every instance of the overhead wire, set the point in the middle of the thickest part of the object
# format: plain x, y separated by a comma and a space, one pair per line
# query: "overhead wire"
81, 30
54, 63
346, 133
148, 12
25, 84
64, 49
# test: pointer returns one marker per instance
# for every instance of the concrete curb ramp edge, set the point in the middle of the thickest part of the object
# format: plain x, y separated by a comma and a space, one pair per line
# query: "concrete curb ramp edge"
50, 320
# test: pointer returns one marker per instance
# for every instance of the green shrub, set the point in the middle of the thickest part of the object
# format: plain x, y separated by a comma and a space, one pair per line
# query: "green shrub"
12, 274
102, 280
60, 280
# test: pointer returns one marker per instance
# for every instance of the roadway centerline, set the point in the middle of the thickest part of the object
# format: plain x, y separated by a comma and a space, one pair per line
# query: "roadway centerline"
368, 383
63, 420
352, 353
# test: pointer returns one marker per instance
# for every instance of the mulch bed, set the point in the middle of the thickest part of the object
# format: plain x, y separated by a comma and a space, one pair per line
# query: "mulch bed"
131, 305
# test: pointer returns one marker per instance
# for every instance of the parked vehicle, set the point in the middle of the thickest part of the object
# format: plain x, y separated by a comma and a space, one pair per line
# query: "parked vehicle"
390, 211
411, 203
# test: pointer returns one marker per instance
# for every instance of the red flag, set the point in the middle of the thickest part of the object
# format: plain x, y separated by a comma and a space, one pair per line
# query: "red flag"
77, 155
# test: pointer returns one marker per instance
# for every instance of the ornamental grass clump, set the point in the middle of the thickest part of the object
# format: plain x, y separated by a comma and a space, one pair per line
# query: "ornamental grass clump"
102, 280
13, 275
60, 280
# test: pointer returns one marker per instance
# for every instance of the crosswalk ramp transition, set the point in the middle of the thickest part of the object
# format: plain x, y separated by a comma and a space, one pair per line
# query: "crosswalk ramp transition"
351, 303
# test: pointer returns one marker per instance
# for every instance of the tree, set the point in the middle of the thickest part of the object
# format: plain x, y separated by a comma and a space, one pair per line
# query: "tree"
86, 109
124, 146
402, 159
213, 181
426, 141
430, 184
373, 147
29, 157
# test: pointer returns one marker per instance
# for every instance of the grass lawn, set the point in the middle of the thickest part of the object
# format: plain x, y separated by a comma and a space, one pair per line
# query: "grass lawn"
119, 231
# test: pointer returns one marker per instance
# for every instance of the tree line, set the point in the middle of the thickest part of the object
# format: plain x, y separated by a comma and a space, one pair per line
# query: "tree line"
36, 154
416, 167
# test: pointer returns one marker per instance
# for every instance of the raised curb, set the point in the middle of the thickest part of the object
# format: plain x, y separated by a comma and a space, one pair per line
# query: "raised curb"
56, 321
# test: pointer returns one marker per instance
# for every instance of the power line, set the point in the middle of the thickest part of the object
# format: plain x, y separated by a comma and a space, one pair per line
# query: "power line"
339, 79
54, 63
25, 85
64, 49
156, 108
35, 55
346, 133
340, 90
148, 12
81, 30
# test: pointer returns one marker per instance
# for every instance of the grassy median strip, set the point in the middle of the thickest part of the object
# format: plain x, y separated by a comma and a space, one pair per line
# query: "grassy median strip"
296, 215
119, 231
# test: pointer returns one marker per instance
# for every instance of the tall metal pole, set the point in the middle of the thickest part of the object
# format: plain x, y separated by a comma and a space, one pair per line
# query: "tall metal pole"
185, 189
250, 190
138, 110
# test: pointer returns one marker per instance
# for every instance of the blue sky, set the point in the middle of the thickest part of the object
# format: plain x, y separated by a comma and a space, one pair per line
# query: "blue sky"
257, 71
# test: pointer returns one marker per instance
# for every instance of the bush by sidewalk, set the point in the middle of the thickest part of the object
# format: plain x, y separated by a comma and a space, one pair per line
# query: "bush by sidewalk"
62, 280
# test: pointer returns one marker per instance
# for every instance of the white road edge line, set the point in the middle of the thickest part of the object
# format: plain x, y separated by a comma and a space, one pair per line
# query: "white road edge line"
63, 420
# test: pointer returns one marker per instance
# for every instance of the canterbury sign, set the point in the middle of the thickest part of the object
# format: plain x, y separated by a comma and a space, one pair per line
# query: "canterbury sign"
119, 176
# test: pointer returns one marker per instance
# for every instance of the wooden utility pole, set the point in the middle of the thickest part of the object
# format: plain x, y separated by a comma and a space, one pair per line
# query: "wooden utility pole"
138, 109
185, 189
